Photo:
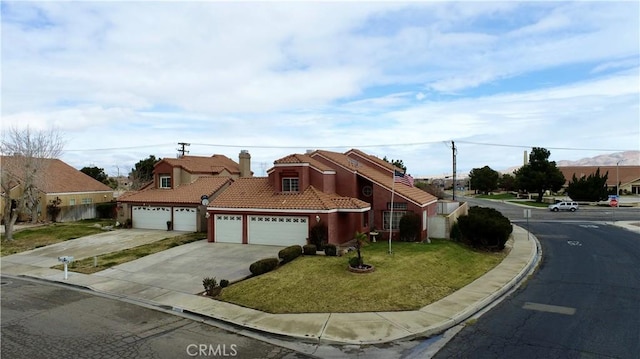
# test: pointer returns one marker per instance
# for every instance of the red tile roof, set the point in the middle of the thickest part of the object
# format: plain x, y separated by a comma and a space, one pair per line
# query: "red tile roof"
186, 194
209, 165
257, 193
59, 177
626, 174
298, 158
382, 177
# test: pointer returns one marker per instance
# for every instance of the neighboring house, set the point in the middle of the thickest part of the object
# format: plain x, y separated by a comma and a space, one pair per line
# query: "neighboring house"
76, 192
180, 190
346, 192
627, 177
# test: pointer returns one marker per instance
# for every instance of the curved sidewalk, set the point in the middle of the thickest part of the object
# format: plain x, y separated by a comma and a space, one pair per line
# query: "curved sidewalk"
329, 328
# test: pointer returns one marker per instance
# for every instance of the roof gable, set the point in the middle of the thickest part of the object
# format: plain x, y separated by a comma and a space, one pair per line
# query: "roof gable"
215, 164
299, 159
381, 176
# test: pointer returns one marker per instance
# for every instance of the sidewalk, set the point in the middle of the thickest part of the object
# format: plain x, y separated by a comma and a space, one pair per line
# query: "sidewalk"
327, 328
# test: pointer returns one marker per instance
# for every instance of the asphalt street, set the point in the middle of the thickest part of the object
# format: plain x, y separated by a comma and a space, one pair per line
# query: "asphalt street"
41, 320
584, 301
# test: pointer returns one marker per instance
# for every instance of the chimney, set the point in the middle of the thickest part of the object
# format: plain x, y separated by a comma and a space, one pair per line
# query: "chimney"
245, 163
526, 159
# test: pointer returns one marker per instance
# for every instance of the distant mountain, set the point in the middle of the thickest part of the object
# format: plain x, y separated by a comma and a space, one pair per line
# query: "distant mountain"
627, 158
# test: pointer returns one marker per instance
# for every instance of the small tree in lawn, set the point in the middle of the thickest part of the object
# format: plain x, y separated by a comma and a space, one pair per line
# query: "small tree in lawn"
360, 238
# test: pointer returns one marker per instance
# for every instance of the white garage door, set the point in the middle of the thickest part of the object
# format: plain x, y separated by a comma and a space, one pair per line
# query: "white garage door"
150, 217
278, 230
228, 228
184, 219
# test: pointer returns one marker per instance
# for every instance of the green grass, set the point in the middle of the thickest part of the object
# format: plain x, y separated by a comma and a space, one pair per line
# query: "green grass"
414, 276
40, 236
109, 260
500, 196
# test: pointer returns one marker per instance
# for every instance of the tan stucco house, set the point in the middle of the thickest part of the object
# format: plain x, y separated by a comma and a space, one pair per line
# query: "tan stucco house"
76, 192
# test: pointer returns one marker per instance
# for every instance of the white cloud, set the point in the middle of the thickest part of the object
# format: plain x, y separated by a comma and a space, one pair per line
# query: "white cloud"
298, 75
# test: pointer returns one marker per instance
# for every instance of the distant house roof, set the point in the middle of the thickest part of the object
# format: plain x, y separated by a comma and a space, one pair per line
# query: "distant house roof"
256, 193
215, 164
189, 193
625, 174
382, 176
60, 177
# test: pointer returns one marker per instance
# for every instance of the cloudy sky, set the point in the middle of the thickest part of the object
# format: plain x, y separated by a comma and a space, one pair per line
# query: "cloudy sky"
125, 80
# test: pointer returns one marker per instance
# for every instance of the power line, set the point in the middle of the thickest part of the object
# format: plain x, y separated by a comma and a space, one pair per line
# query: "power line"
354, 146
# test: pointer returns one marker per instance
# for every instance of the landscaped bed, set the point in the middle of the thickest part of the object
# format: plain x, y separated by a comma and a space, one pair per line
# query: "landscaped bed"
415, 275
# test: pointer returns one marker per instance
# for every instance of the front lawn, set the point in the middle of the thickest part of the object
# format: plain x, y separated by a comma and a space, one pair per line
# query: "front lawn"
40, 236
415, 275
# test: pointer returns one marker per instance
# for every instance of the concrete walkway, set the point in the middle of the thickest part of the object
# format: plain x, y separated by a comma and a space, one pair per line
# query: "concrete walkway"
336, 328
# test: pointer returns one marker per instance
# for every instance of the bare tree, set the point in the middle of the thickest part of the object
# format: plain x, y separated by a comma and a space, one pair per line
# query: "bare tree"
25, 154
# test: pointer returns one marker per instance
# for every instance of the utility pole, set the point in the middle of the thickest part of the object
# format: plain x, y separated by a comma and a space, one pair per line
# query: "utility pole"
182, 151
455, 152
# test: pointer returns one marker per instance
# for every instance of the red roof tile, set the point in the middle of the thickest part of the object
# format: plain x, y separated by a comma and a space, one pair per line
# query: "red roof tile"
58, 177
257, 193
382, 177
299, 158
185, 194
209, 165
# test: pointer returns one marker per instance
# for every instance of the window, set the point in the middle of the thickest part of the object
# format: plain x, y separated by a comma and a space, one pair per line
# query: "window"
290, 185
402, 206
72, 202
165, 181
396, 219
367, 191
87, 201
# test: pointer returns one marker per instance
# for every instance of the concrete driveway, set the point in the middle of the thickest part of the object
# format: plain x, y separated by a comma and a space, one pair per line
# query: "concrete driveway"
85, 247
182, 268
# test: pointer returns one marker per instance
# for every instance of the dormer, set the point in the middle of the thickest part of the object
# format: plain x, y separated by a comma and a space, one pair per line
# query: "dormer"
294, 173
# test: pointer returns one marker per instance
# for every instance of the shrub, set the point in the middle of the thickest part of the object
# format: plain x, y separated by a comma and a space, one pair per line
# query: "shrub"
263, 266
409, 227
106, 210
290, 253
319, 235
485, 228
224, 283
456, 235
331, 250
209, 284
309, 249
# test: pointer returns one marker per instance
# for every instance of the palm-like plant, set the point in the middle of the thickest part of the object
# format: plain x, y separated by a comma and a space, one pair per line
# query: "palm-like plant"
360, 238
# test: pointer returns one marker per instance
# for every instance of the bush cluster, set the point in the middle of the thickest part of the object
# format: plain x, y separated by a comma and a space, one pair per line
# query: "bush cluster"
330, 250
224, 283
106, 210
409, 227
263, 266
319, 235
354, 262
485, 228
309, 249
290, 253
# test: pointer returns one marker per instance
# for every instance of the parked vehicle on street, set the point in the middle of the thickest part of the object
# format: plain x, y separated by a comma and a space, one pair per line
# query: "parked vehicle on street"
564, 206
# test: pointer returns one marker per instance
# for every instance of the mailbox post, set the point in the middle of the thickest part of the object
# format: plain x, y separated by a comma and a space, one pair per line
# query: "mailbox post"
65, 260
